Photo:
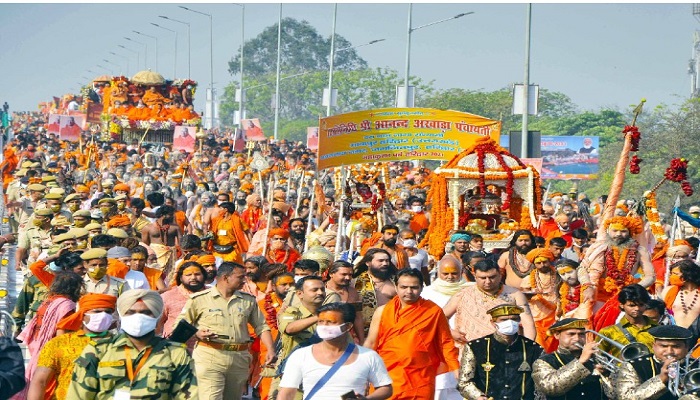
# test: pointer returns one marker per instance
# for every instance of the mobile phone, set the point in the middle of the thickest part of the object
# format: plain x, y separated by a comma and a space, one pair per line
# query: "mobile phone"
349, 395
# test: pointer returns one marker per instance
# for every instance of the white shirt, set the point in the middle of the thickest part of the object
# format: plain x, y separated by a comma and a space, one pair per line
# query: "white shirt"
420, 260
446, 380
137, 280
302, 367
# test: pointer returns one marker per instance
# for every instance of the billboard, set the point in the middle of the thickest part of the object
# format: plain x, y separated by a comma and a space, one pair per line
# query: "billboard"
567, 157
397, 134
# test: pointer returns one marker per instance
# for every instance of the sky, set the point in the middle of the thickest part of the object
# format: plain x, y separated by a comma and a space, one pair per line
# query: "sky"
600, 55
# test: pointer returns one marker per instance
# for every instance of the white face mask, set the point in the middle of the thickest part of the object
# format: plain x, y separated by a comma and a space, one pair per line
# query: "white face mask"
416, 208
297, 278
99, 322
329, 332
137, 325
508, 328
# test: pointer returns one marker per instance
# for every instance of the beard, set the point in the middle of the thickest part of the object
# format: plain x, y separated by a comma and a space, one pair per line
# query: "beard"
524, 249
194, 286
297, 235
390, 242
381, 273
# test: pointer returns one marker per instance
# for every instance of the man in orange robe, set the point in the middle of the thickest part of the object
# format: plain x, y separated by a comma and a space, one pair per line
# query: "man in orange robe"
279, 251
229, 230
413, 338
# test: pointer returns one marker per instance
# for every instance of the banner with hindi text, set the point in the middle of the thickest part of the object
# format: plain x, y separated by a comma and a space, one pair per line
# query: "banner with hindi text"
398, 134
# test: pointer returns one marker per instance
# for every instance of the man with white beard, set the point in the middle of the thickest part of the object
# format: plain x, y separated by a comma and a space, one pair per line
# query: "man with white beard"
449, 281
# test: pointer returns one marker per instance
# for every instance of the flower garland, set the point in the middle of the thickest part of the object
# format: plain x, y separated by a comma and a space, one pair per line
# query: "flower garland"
443, 218
619, 268
539, 296
636, 136
525, 222
270, 311
570, 300
678, 172
652, 214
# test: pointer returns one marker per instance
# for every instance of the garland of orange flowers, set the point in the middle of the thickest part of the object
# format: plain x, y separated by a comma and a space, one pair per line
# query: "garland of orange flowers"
442, 216
652, 214
569, 301
525, 222
619, 268
539, 297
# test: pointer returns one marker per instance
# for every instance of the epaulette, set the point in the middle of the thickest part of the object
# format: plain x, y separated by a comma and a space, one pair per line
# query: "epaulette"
197, 294
244, 294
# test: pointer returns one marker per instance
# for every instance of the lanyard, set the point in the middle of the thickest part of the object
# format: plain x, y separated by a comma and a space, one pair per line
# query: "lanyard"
130, 372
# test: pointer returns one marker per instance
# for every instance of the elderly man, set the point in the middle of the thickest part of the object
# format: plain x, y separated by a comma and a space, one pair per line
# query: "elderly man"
449, 281
542, 289
611, 264
278, 250
163, 372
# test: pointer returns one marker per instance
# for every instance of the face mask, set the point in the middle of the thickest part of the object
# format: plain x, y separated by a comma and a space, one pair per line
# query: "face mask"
73, 207
38, 222
54, 268
99, 322
675, 280
297, 278
105, 210
121, 206
416, 208
81, 244
97, 273
329, 332
137, 325
56, 208
508, 328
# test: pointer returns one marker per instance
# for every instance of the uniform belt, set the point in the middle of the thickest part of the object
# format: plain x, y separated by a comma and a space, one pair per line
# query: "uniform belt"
223, 346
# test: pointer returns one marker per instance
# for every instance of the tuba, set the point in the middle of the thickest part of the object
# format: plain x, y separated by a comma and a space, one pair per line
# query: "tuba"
627, 352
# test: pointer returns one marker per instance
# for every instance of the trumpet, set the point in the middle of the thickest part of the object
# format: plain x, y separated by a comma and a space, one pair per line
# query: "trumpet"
684, 378
627, 352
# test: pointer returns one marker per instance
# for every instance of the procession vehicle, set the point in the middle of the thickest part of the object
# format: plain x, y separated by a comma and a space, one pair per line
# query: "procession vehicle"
483, 190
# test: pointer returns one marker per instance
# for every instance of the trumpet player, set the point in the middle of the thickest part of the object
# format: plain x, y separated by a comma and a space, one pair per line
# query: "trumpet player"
571, 372
634, 325
647, 377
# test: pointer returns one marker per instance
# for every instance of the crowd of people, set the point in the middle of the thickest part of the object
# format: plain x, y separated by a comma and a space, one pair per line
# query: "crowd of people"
157, 274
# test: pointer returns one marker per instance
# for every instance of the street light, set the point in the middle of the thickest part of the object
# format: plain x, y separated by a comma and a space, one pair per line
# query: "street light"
211, 57
115, 64
154, 38
408, 42
138, 55
145, 56
189, 53
277, 77
125, 58
241, 99
175, 32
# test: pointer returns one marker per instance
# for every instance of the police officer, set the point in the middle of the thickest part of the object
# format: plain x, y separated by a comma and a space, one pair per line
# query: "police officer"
96, 279
499, 365
35, 239
221, 315
135, 364
647, 377
567, 373
54, 202
28, 204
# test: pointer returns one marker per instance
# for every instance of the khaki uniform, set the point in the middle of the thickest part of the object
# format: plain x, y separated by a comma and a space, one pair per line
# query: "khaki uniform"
101, 370
29, 300
106, 285
35, 240
222, 365
26, 211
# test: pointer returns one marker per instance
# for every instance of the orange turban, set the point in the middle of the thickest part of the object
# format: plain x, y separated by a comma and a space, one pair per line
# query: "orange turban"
633, 224
119, 220
86, 303
82, 189
278, 232
534, 254
206, 259
122, 187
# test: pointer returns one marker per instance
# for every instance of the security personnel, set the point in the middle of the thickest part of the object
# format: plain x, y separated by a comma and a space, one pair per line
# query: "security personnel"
81, 237
29, 300
72, 202
567, 373
35, 239
96, 279
54, 202
221, 315
647, 377
27, 205
136, 364
81, 218
499, 365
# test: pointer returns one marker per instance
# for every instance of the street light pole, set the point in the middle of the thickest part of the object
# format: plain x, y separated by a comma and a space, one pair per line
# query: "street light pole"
277, 78
145, 53
526, 85
242, 99
138, 55
175, 32
189, 52
154, 38
125, 58
211, 56
409, 31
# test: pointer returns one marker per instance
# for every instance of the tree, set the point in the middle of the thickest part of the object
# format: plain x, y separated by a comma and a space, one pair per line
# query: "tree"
303, 49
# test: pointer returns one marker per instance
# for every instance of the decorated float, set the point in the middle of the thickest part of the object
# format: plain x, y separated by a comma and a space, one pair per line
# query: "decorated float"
483, 190
146, 107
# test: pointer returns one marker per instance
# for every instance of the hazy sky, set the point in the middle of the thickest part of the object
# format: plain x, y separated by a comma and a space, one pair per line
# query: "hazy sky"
597, 54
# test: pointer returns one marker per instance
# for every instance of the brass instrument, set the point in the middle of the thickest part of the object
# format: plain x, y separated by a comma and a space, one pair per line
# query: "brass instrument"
627, 352
683, 378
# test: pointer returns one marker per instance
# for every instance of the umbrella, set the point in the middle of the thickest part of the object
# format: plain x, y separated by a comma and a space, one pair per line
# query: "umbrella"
148, 77
102, 78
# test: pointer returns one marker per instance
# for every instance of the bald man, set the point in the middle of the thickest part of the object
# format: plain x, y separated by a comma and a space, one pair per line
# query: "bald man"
449, 281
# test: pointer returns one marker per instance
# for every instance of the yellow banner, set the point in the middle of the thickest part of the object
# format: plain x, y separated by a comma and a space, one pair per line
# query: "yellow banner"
399, 134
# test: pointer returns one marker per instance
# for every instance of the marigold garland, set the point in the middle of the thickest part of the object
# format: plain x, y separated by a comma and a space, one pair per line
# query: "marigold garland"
570, 300
443, 218
618, 268
652, 214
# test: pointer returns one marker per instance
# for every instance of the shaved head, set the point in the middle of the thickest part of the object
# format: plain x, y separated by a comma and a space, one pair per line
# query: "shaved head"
450, 269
